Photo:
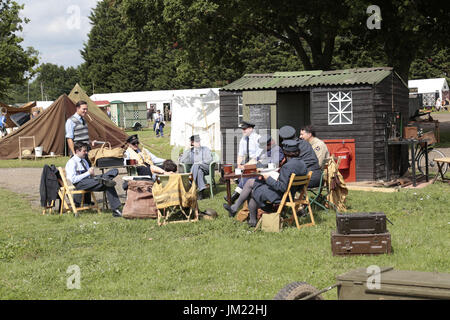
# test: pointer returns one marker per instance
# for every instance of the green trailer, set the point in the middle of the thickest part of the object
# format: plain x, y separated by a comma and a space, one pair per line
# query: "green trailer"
383, 284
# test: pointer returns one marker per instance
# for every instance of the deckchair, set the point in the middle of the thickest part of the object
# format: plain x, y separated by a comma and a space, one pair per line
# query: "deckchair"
69, 190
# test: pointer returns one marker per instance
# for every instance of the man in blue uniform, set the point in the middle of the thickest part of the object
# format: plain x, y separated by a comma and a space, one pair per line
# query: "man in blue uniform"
199, 157
307, 154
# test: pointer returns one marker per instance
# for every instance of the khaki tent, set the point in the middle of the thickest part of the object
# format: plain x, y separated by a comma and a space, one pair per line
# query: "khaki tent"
49, 130
78, 94
27, 108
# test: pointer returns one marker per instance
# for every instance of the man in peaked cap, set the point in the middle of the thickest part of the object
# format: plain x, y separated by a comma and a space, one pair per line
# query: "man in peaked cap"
248, 152
199, 157
272, 153
147, 163
307, 154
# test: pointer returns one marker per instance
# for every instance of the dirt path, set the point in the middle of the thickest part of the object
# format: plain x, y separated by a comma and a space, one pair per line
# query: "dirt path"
26, 181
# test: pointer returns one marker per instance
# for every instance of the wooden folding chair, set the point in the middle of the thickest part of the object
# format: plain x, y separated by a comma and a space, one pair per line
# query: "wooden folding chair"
69, 190
298, 202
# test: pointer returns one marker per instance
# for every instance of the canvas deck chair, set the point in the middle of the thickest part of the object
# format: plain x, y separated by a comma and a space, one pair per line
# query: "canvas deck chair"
297, 203
69, 190
319, 195
175, 196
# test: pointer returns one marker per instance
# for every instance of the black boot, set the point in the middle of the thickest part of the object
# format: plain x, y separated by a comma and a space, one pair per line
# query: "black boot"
227, 207
234, 197
252, 221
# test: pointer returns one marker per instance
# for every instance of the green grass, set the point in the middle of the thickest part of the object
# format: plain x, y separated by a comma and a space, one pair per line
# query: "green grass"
220, 259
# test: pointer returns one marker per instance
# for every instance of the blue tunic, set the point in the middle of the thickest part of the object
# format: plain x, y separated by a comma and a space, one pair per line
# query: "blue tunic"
272, 190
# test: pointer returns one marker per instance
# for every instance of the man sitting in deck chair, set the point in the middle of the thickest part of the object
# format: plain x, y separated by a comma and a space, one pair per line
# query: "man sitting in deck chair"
82, 177
266, 189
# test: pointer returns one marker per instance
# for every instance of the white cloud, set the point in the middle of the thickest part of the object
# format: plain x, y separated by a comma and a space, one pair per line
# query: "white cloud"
57, 29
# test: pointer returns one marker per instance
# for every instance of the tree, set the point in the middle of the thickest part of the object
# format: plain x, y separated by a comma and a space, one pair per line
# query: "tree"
16, 63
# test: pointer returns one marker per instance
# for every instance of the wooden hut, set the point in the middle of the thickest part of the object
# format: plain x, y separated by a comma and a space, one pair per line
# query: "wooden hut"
354, 109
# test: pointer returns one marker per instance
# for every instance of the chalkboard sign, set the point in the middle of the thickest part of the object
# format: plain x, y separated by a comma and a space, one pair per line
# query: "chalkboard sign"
260, 116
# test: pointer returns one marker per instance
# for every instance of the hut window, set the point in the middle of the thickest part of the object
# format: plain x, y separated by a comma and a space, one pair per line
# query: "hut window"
240, 110
340, 110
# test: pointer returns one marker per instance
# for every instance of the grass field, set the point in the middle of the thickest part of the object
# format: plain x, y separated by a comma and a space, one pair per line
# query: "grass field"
219, 259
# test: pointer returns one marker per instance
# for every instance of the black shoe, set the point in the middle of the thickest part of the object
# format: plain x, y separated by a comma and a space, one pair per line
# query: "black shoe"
234, 197
116, 213
227, 207
252, 224
107, 182
200, 195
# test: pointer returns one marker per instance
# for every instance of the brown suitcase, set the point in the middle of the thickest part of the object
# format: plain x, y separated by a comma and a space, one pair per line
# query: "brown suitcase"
361, 223
346, 244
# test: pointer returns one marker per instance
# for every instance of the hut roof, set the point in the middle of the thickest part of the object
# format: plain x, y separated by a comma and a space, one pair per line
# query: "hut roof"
282, 80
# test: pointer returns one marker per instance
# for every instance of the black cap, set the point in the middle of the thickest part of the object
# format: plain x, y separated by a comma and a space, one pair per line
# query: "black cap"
133, 138
245, 125
290, 145
287, 132
195, 138
264, 140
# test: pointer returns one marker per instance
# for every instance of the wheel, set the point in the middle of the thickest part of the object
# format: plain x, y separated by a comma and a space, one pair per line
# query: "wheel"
432, 165
296, 291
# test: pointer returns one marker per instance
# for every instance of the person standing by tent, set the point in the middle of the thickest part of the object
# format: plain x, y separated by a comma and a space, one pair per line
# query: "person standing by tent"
3, 123
159, 123
77, 128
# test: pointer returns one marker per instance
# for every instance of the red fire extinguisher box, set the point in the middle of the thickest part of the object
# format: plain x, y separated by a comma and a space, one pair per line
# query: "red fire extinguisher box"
344, 149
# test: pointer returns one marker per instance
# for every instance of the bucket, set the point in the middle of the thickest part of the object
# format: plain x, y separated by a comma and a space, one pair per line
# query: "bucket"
38, 151
344, 154
228, 168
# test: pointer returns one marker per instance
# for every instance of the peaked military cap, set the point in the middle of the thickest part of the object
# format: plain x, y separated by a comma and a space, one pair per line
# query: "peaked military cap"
245, 125
195, 138
287, 132
290, 145
264, 140
133, 138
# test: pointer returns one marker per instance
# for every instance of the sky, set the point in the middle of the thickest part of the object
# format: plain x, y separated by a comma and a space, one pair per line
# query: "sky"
57, 29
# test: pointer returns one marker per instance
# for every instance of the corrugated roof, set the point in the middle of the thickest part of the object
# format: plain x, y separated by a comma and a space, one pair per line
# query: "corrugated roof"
279, 80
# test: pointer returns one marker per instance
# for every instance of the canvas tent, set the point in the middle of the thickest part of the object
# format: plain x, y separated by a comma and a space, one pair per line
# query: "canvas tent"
49, 130
196, 114
78, 94
13, 110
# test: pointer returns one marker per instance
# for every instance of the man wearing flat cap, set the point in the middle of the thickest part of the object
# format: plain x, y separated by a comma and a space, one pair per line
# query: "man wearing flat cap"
307, 154
147, 162
199, 157
269, 190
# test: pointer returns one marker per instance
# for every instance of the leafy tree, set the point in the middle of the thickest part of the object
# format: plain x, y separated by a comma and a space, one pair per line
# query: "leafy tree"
16, 63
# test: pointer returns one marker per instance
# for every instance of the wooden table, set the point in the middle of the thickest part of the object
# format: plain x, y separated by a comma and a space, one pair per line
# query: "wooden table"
440, 162
228, 177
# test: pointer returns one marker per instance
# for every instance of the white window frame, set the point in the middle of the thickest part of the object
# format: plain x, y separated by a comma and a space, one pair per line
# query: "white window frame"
340, 108
240, 110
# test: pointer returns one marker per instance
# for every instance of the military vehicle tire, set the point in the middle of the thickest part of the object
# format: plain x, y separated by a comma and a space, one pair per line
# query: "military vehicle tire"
296, 291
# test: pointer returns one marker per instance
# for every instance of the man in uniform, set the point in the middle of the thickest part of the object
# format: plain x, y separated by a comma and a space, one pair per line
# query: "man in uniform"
147, 163
320, 148
306, 154
77, 128
248, 152
82, 177
199, 157
272, 153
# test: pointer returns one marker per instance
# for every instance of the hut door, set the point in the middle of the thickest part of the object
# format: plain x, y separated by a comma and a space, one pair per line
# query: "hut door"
293, 109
